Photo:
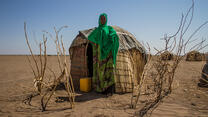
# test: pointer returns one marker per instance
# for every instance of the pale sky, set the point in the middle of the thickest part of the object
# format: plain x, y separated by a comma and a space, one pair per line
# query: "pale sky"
147, 20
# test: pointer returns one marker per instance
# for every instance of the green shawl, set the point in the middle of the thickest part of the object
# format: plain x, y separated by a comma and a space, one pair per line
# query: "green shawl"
106, 37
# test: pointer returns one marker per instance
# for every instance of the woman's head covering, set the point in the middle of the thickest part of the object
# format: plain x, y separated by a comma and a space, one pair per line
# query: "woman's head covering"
99, 22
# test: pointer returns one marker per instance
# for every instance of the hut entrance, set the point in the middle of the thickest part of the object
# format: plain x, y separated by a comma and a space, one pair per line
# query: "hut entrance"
90, 60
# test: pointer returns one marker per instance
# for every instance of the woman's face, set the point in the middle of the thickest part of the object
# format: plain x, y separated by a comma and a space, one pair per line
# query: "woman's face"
102, 19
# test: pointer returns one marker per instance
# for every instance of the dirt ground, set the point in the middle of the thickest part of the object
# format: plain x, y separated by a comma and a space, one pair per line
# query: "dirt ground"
16, 82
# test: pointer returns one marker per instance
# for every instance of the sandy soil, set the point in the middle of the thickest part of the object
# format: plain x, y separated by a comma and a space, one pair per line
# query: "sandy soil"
16, 82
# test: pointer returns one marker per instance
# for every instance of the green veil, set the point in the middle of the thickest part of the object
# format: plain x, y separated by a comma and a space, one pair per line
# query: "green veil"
106, 37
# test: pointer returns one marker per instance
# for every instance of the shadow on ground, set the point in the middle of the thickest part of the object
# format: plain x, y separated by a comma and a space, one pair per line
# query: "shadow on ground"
82, 97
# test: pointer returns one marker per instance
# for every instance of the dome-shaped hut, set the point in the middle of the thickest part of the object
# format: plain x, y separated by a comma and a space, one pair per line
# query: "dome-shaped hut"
194, 56
166, 55
130, 62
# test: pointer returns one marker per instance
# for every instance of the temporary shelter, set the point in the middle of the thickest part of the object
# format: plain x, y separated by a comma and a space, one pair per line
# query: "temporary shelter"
166, 55
194, 56
130, 62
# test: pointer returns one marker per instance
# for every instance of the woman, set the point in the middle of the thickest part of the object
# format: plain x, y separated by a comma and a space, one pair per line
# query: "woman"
105, 47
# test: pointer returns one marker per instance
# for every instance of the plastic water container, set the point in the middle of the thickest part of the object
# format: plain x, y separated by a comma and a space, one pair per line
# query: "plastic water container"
85, 84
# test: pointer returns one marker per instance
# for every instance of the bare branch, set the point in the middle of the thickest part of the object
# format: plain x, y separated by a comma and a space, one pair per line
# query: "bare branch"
28, 44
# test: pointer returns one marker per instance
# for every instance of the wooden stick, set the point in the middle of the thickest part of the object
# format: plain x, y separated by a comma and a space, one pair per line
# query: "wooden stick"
71, 87
56, 82
31, 66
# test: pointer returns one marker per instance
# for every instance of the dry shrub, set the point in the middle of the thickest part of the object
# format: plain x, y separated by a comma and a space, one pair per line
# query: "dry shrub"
41, 71
159, 73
